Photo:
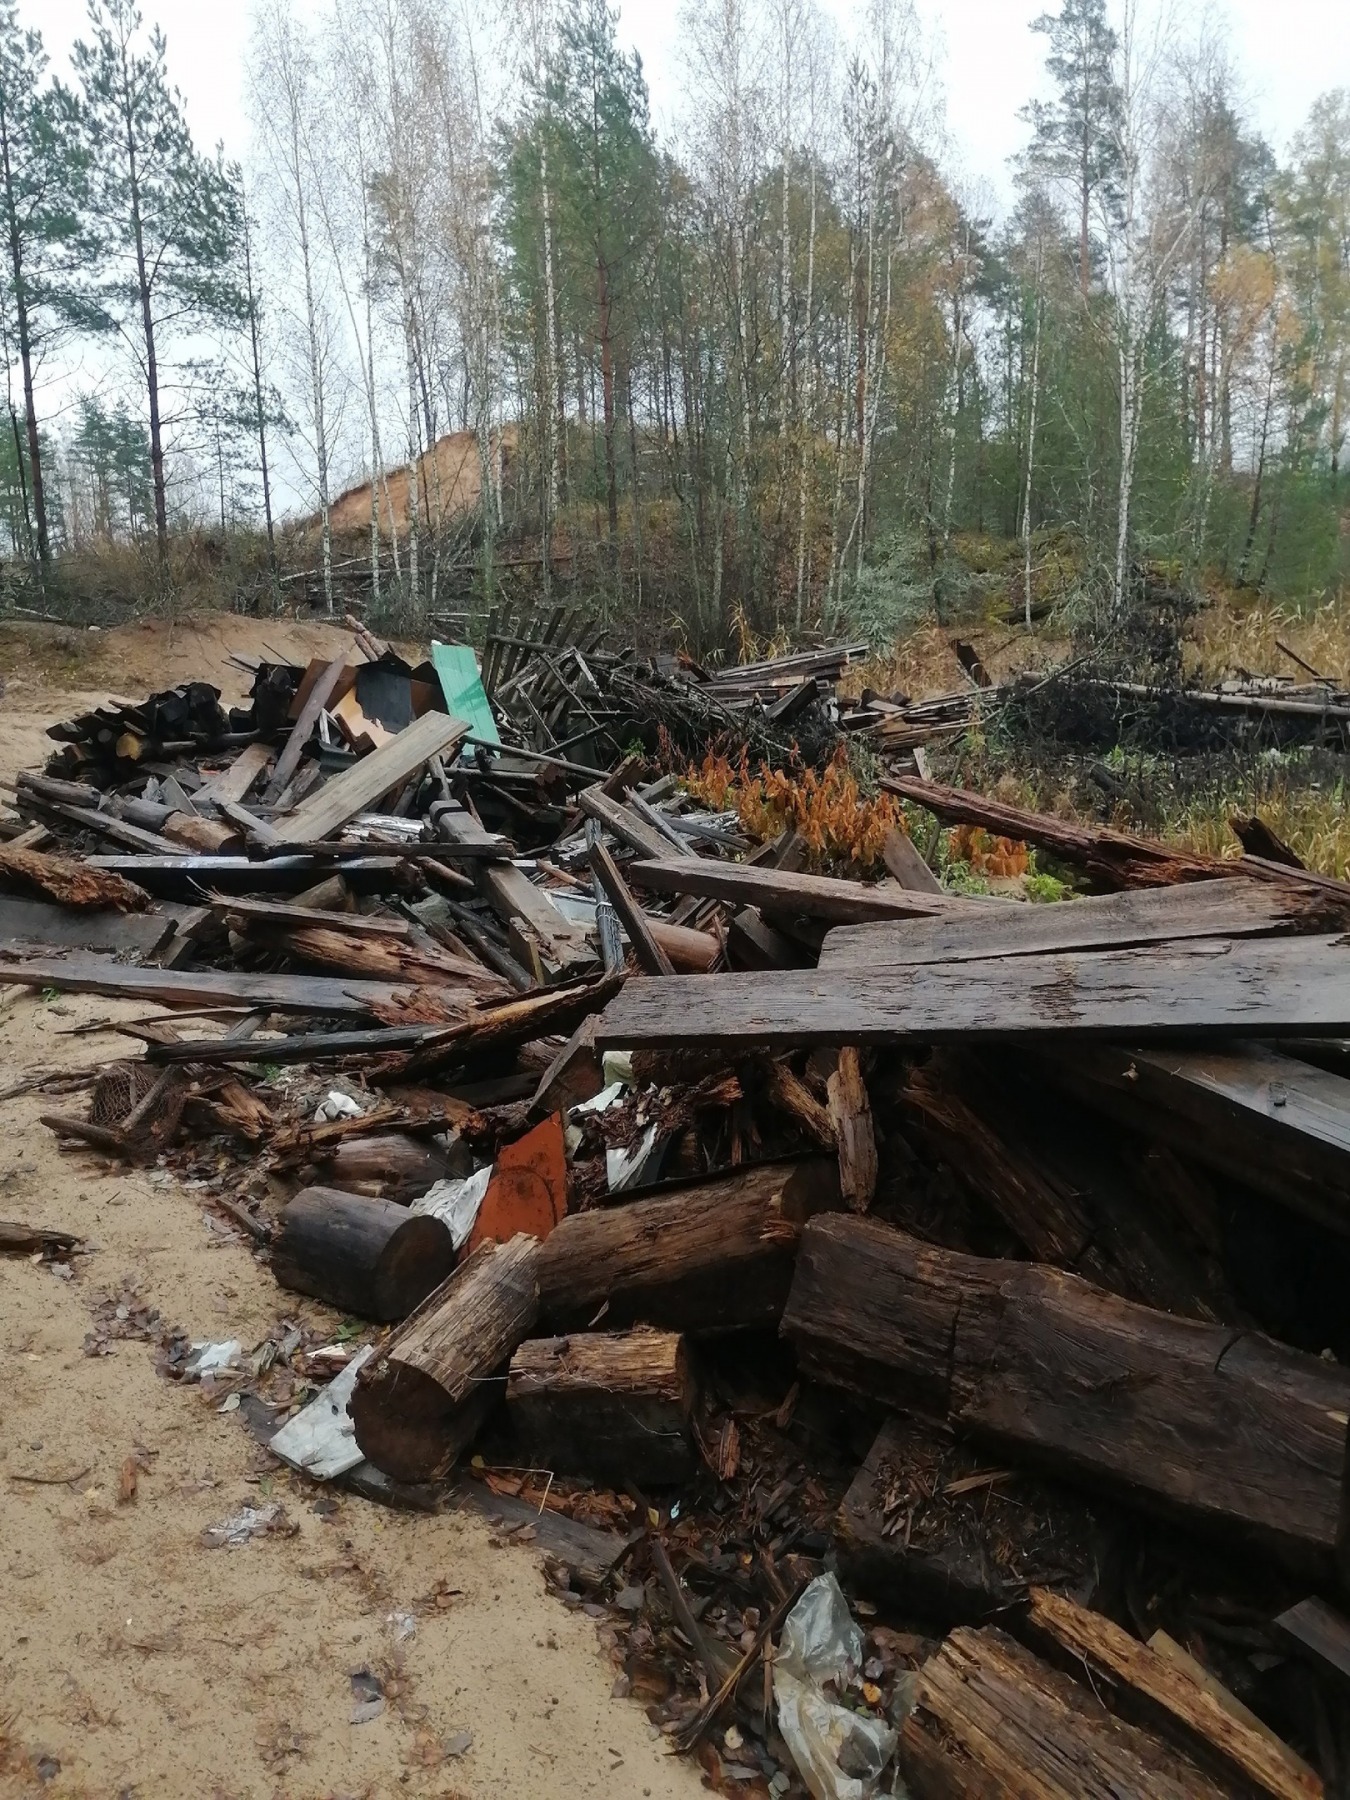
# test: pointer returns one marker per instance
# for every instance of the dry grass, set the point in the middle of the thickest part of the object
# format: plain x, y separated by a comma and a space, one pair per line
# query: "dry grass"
1229, 638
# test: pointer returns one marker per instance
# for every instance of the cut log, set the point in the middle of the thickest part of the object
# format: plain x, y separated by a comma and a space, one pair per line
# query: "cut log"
613, 1406
1205, 909
1170, 1700
1219, 1428
359, 1254
1270, 1121
800, 896
358, 788
992, 1721
423, 1397
851, 1115
935, 1528
208, 836
1255, 987
691, 952
68, 883
714, 1256
389, 1165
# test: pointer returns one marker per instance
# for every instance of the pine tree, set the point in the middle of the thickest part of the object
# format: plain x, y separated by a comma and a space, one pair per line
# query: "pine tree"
164, 218
1075, 132
42, 170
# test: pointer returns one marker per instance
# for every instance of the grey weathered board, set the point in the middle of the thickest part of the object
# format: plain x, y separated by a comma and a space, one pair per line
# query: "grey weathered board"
1251, 987
29, 922
1259, 1117
357, 788
802, 896
322, 994
1201, 909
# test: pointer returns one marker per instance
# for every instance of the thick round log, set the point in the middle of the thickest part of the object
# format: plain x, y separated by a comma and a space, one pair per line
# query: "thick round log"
392, 1165
614, 1406
709, 1257
361, 1255
421, 1400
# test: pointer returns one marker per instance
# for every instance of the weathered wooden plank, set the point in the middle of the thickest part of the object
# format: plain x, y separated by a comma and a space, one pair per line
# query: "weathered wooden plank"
357, 788
802, 896
234, 783
29, 922
1270, 1121
1253, 987
1221, 1428
1201, 909
904, 863
624, 824
1173, 1700
353, 923
320, 994
991, 1720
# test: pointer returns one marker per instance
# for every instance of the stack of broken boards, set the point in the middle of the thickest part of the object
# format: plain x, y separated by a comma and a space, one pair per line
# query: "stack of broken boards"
1049, 1203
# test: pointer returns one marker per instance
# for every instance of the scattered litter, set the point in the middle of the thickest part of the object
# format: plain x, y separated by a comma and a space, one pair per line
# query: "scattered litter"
248, 1522
840, 1753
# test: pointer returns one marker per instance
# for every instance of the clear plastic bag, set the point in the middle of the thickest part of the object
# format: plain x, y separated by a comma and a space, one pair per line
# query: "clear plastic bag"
841, 1754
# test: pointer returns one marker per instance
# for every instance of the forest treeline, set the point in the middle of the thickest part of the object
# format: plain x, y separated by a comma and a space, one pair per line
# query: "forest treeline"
780, 369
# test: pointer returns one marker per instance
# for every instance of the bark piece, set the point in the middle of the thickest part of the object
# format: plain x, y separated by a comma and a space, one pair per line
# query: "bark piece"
362, 1255
851, 1115
1219, 1428
991, 1721
943, 1530
1172, 1700
713, 1256
614, 1406
424, 1395
68, 883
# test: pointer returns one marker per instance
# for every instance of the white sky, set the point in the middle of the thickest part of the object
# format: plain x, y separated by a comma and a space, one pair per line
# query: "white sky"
1286, 53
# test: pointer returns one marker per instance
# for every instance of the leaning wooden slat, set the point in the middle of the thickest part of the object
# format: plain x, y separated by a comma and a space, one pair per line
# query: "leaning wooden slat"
1224, 1430
905, 864
1258, 987
802, 896
623, 823
652, 959
234, 783
1234, 908
320, 693
1173, 1699
358, 788
490, 1029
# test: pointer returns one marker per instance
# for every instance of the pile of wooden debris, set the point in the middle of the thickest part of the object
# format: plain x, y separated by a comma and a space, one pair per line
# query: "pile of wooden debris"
738, 1226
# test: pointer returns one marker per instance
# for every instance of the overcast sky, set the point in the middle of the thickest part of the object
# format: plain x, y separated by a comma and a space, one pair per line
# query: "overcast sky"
1286, 53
